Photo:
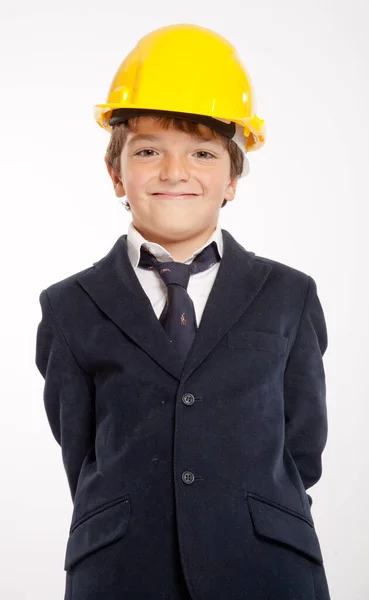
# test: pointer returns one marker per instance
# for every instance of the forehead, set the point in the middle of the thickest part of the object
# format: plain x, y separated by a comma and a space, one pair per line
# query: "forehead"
152, 129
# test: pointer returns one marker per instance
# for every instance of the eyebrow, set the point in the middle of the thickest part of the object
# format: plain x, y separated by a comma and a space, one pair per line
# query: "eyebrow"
154, 138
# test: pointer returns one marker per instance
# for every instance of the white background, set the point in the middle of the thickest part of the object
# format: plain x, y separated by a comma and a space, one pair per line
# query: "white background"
303, 203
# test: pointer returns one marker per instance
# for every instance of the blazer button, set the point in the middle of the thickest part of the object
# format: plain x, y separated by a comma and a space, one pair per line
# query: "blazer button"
188, 399
188, 477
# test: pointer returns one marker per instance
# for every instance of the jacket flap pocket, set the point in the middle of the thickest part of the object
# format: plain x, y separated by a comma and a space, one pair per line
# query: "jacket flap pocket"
283, 526
97, 530
261, 340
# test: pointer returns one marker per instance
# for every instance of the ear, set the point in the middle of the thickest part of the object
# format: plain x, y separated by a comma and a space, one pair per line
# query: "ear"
117, 182
230, 191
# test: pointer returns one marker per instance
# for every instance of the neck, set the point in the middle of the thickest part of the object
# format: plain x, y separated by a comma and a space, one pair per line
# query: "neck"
180, 249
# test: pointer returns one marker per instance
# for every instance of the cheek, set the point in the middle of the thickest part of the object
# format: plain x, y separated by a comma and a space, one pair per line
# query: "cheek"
216, 186
135, 179
216, 179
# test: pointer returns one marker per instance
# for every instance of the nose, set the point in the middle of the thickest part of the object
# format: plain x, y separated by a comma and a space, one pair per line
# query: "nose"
174, 168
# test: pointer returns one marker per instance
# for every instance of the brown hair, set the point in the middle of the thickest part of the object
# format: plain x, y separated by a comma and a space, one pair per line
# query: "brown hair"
119, 137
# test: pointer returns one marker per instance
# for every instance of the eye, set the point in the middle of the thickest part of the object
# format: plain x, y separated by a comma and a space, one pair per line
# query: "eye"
204, 152
144, 150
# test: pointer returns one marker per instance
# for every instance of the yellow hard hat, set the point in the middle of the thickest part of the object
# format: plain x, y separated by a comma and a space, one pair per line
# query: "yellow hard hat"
190, 72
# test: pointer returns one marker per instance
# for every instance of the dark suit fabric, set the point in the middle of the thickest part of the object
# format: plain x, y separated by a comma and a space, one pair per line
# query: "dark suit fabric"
118, 403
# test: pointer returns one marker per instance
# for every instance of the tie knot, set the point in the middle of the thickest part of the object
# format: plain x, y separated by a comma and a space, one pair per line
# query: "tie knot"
173, 272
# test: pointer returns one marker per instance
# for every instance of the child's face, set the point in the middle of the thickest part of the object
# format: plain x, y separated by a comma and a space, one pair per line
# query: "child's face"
172, 162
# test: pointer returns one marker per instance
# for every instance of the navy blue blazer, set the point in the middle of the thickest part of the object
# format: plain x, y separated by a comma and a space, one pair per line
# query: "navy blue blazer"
188, 483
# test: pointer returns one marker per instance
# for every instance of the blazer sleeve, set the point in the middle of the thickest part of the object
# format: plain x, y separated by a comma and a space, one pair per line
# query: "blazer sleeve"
305, 391
68, 393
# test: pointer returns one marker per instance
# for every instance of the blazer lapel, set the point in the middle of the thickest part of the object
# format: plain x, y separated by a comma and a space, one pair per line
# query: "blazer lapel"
113, 285
238, 281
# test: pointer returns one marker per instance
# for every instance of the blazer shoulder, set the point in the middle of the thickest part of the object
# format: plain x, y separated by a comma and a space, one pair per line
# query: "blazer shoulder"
285, 271
61, 289
64, 289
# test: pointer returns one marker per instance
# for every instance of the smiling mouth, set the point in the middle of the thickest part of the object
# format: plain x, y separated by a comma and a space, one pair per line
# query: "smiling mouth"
171, 195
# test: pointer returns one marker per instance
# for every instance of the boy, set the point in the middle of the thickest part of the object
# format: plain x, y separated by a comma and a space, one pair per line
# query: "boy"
183, 374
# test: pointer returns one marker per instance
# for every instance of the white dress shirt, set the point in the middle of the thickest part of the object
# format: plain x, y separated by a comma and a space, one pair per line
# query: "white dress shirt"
199, 284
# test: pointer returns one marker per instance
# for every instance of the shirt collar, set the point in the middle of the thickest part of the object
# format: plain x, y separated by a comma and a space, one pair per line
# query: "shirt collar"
135, 241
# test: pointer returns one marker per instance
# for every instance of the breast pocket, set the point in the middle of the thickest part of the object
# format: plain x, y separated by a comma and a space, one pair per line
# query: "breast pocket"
257, 340
97, 529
